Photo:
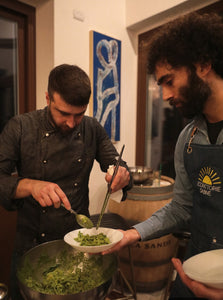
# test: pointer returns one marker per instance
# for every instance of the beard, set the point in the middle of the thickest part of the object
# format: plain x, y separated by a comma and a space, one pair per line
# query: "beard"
194, 96
64, 130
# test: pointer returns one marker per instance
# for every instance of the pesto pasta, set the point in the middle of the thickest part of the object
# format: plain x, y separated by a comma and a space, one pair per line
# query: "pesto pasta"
66, 273
92, 240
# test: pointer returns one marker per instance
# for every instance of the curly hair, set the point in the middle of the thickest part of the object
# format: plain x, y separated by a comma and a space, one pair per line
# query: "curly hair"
188, 40
71, 83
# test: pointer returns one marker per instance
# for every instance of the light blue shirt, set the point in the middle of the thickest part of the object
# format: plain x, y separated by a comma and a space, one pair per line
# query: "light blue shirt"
176, 215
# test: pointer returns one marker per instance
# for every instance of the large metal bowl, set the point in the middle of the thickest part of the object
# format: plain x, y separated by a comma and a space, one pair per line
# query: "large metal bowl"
53, 249
142, 175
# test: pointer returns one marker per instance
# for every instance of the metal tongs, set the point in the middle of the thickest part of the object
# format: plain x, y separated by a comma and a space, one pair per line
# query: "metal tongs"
109, 188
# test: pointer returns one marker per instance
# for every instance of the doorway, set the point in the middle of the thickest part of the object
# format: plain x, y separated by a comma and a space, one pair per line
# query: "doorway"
9, 105
17, 92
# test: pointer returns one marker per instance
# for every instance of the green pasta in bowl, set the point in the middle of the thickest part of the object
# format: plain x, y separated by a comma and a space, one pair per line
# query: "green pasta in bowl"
93, 240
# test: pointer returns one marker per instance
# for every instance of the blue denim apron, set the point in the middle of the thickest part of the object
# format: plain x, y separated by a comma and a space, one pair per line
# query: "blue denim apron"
204, 166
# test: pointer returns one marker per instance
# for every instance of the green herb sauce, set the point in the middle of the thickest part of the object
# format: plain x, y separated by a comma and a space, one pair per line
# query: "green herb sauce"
68, 273
92, 240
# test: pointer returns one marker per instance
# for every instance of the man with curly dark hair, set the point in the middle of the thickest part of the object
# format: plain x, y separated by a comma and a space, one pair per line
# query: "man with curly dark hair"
186, 58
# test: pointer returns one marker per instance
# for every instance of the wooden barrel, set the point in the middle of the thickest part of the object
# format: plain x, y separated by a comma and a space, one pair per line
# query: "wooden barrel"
152, 259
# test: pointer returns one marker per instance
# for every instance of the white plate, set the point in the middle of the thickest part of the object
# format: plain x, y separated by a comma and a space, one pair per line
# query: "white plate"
114, 236
206, 268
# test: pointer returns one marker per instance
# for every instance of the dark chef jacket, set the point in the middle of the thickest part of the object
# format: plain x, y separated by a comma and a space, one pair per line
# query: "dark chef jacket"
37, 150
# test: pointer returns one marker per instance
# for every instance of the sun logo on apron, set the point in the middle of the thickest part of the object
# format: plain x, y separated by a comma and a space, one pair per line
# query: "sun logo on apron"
209, 176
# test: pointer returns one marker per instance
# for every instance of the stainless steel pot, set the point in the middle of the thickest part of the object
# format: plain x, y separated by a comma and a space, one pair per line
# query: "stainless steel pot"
53, 249
141, 175
3, 291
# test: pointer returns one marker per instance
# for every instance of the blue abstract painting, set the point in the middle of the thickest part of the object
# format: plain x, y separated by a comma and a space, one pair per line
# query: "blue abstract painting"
106, 73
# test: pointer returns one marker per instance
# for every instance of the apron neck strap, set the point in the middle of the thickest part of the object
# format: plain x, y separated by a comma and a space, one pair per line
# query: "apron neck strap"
189, 148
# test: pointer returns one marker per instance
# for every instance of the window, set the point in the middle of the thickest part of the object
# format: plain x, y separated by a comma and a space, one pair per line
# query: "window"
17, 59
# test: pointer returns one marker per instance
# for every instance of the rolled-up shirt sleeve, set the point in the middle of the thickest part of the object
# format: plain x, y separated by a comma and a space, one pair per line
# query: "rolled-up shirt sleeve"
176, 215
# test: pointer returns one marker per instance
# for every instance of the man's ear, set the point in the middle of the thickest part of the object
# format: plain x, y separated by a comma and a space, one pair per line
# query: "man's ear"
47, 98
202, 69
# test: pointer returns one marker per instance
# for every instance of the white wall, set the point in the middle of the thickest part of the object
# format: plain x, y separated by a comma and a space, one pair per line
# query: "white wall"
63, 39
144, 9
44, 48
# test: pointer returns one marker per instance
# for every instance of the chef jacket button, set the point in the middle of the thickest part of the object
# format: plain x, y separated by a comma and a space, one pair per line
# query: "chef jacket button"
47, 134
214, 240
79, 160
44, 161
42, 234
44, 211
75, 184
79, 134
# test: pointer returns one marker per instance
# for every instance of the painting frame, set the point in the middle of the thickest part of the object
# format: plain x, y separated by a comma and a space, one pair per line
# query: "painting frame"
105, 74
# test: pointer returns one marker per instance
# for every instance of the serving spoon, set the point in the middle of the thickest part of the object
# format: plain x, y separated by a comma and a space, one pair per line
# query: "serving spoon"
82, 220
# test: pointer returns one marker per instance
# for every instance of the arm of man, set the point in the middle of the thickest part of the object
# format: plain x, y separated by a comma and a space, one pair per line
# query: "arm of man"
13, 188
106, 156
199, 289
44, 192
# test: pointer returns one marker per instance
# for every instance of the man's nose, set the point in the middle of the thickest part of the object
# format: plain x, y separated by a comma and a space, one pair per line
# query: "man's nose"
167, 94
71, 123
